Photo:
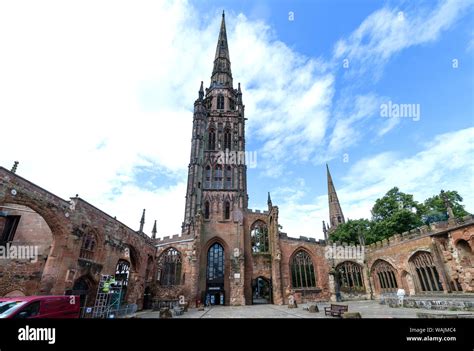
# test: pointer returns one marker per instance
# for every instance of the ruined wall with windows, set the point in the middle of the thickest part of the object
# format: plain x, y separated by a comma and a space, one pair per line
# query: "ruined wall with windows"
304, 269
76, 244
433, 259
175, 273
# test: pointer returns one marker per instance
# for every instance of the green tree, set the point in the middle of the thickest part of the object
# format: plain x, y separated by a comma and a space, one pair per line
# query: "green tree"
435, 207
349, 232
397, 212
392, 202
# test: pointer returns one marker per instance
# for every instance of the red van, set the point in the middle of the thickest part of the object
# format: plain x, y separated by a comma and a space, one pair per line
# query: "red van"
40, 307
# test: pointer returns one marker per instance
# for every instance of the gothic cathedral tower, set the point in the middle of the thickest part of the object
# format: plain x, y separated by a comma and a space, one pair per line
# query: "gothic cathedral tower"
216, 196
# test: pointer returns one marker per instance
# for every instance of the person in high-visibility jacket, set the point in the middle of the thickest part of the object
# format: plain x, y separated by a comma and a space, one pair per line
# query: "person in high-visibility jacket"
107, 284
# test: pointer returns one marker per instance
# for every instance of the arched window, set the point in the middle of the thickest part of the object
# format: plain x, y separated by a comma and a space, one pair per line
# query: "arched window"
207, 183
88, 247
215, 264
122, 275
302, 270
231, 104
350, 276
426, 274
217, 183
212, 139
259, 237
169, 268
207, 210
385, 274
228, 177
227, 139
227, 210
339, 220
220, 102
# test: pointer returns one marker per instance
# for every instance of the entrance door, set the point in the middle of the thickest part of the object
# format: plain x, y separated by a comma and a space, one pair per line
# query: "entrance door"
261, 291
215, 294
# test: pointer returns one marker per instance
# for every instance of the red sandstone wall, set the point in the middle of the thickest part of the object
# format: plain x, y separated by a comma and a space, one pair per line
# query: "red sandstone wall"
317, 251
24, 275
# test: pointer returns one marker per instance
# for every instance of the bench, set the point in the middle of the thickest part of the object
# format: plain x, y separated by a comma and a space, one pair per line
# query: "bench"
336, 310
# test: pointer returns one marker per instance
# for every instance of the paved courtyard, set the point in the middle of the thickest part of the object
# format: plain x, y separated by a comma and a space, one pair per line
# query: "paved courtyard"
367, 309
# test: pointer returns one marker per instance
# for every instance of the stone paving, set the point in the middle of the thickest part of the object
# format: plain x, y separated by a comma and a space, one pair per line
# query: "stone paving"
367, 309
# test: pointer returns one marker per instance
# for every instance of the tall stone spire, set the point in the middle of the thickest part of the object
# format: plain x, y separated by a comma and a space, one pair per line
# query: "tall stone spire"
221, 73
142, 221
336, 216
153, 231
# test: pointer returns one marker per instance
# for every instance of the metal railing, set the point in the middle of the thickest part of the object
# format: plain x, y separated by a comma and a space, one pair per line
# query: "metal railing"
110, 313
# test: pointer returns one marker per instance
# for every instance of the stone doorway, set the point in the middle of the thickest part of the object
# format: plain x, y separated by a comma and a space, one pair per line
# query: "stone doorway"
261, 291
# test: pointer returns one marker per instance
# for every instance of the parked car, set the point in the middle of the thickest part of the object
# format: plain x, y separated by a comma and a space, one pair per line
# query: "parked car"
40, 307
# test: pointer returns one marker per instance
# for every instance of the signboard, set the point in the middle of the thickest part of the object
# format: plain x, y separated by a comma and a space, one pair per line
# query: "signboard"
237, 275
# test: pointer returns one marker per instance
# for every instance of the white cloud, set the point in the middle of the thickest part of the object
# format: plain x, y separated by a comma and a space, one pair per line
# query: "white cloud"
94, 91
369, 48
99, 89
445, 162
390, 30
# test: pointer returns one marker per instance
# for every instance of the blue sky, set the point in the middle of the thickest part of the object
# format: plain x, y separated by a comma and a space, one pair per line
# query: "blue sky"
107, 89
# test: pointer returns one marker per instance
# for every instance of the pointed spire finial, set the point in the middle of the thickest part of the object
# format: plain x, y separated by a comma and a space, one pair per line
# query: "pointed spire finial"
201, 91
269, 201
325, 231
153, 232
336, 216
221, 73
15, 166
223, 13
142, 221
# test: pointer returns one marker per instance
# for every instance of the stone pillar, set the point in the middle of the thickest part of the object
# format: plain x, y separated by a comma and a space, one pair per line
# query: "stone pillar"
61, 257
439, 263
332, 287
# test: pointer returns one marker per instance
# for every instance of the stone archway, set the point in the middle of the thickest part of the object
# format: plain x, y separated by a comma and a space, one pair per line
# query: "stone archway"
25, 234
261, 291
56, 214
85, 287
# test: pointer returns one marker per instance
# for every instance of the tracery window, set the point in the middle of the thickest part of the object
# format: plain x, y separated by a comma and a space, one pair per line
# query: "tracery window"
302, 271
259, 237
88, 246
350, 276
212, 139
385, 274
217, 183
169, 267
426, 274
220, 102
